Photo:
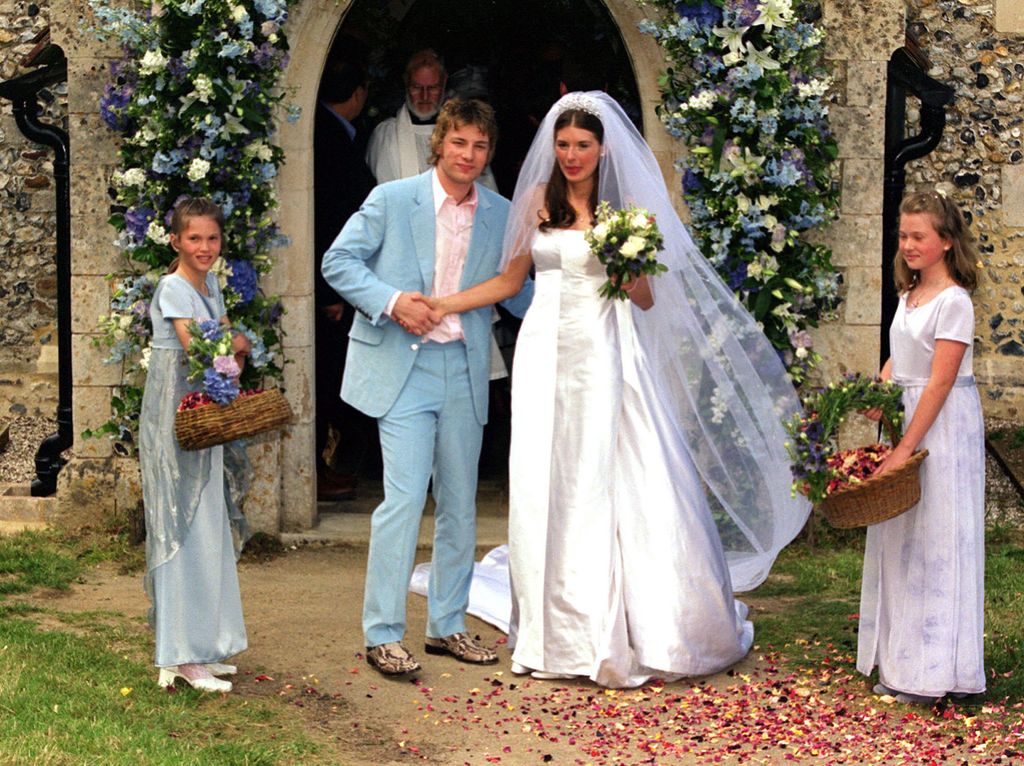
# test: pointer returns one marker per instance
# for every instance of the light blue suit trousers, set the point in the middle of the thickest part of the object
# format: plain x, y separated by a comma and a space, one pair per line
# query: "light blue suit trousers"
431, 430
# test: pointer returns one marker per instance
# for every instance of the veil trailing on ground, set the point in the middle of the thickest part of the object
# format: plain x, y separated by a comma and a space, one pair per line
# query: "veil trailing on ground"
708, 370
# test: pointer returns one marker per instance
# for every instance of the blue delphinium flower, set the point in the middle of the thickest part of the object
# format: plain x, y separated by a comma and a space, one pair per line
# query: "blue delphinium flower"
243, 279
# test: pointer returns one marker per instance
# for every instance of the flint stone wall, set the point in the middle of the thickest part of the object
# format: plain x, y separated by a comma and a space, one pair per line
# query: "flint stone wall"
978, 48
28, 342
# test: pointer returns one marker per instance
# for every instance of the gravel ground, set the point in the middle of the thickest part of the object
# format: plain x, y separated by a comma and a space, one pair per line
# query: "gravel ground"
17, 461
17, 465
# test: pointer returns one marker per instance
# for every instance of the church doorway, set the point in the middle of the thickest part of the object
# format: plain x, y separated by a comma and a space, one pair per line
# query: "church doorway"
520, 57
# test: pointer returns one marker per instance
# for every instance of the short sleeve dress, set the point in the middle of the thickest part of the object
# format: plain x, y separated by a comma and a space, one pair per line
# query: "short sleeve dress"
191, 576
922, 595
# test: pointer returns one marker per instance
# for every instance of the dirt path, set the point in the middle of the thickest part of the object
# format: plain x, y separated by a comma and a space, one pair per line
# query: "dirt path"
302, 611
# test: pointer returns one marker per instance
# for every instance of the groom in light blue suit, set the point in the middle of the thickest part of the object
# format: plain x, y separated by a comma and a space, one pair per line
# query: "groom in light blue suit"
424, 379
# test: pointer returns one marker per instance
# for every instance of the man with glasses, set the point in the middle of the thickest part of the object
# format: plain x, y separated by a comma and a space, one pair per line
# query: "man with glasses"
400, 145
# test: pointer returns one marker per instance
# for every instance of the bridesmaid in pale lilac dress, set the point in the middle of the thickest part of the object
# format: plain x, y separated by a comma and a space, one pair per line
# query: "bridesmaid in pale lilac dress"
923, 594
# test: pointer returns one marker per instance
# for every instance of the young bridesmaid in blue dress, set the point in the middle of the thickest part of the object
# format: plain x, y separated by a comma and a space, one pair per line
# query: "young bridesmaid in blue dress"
190, 554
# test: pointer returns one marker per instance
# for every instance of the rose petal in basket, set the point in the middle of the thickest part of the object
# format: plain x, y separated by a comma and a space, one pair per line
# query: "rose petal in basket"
213, 424
877, 498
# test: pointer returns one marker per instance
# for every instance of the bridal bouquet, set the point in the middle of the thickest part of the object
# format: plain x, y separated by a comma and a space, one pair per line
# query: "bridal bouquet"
220, 412
626, 242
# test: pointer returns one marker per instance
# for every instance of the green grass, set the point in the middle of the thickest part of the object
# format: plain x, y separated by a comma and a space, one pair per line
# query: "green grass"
814, 595
81, 690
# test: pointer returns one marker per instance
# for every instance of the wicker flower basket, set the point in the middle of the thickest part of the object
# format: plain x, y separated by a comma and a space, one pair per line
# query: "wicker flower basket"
877, 498
248, 415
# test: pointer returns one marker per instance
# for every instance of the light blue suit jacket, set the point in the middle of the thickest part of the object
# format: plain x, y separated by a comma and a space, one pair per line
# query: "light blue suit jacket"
388, 246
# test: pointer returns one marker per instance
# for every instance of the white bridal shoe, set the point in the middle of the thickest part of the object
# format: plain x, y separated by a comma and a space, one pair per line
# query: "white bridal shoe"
220, 669
197, 676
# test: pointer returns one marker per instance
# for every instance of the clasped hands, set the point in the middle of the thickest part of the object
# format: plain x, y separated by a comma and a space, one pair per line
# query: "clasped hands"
417, 313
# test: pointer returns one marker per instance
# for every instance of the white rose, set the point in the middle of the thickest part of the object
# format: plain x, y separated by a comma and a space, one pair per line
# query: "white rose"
743, 203
198, 169
144, 360
157, 233
152, 61
133, 177
801, 353
632, 246
203, 88
639, 220
239, 14
601, 230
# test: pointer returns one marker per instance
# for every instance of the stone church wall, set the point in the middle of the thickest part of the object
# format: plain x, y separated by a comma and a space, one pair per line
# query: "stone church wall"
975, 47
28, 343
978, 48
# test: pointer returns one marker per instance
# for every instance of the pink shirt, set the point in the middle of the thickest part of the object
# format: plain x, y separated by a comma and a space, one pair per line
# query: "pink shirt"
451, 243
453, 228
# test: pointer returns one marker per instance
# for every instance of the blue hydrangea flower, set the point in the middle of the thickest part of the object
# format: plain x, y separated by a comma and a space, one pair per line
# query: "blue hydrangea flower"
136, 221
704, 12
222, 390
211, 329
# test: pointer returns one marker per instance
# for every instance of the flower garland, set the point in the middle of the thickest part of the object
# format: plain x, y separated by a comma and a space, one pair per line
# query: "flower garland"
817, 464
194, 98
747, 95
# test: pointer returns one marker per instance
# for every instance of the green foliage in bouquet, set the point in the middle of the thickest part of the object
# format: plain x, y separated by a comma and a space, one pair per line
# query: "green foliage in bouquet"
814, 432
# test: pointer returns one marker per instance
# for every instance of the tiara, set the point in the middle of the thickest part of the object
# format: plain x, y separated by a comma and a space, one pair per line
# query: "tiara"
581, 102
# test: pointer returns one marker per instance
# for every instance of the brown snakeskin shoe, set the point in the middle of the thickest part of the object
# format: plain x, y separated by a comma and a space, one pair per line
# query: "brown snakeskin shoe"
391, 659
461, 647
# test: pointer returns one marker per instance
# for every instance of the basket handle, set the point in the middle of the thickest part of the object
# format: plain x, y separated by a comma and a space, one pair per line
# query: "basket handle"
890, 429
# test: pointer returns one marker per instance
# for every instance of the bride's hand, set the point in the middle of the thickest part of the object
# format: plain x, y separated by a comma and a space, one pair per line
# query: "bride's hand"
437, 305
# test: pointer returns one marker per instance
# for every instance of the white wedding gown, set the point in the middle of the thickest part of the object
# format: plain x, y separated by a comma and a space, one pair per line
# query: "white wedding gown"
617, 569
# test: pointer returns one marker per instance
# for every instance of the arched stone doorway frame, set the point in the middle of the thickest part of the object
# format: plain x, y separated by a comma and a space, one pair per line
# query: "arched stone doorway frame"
312, 29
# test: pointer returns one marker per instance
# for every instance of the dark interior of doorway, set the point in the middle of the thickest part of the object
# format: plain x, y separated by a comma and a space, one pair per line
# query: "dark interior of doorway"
527, 51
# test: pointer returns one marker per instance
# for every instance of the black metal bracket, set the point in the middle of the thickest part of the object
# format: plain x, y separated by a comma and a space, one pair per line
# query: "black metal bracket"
23, 92
906, 76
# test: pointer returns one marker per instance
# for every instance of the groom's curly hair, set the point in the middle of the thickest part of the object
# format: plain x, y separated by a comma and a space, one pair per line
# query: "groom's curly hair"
457, 113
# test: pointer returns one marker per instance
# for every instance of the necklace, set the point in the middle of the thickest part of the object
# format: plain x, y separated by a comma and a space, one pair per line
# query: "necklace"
918, 295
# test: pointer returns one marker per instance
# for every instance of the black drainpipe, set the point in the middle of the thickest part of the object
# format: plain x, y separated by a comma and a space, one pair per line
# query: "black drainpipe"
23, 92
906, 76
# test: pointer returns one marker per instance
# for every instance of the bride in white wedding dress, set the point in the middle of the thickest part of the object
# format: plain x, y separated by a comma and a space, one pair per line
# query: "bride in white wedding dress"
629, 419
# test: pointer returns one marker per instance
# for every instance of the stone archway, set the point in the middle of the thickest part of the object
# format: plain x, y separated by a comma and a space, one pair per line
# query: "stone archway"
313, 27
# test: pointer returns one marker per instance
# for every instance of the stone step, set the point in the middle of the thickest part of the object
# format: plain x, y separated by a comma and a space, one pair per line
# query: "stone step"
491, 500
20, 511
353, 530
348, 522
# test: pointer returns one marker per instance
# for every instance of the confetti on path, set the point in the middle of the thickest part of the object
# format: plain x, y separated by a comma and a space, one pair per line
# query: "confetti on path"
775, 711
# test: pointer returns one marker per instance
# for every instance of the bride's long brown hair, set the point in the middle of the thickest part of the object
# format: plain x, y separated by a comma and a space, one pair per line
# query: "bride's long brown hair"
556, 195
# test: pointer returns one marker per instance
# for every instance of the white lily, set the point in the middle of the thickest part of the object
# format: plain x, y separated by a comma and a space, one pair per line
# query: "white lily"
756, 57
775, 13
732, 38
